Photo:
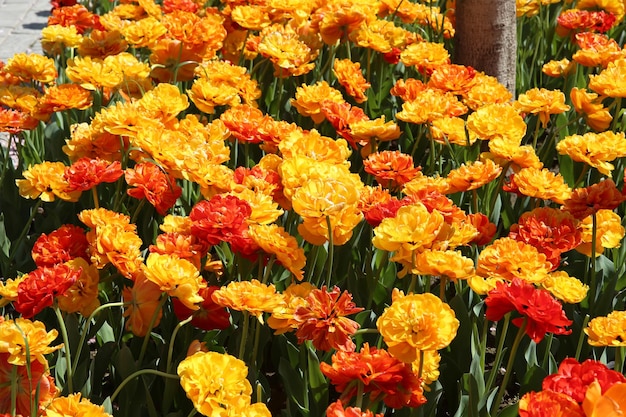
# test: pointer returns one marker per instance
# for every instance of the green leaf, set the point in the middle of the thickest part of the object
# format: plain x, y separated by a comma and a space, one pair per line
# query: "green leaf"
152, 411
318, 386
471, 387
108, 406
73, 334
5, 243
510, 411
479, 377
101, 364
125, 365
55, 138
105, 333
463, 401
60, 369
531, 354
606, 296
293, 352
433, 397
292, 381
461, 344
605, 264
532, 379
621, 283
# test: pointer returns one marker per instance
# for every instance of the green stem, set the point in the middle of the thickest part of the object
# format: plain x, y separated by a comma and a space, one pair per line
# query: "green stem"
496, 191
259, 272
412, 284
421, 367
581, 338
35, 148
509, 367
144, 345
581, 177
244, 335
369, 91
450, 149
433, 161
359, 395
418, 138
66, 343
443, 280
178, 64
94, 193
499, 352
276, 115
118, 194
34, 400
259, 392
618, 106
535, 137
546, 356
331, 252
13, 390
268, 268
619, 358
243, 49
304, 365
365, 331
329, 63
255, 346
475, 200
377, 273
25, 230
549, 144
592, 283
7, 158
139, 373
85, 332
137, 210
170, 349
312, 261
483, 344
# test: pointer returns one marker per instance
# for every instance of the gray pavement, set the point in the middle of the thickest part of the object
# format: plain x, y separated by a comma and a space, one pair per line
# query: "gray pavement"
21, 22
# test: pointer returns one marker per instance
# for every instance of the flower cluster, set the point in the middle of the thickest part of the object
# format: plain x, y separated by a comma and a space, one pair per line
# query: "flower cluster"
228, 207
578, 389
25, 380
381, 375
216, 383
540, 312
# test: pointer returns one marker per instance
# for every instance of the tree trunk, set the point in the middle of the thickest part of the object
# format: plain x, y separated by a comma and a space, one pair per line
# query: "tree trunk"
486, 38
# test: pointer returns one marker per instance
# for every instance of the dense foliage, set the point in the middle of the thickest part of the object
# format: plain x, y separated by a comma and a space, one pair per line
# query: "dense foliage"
304, 208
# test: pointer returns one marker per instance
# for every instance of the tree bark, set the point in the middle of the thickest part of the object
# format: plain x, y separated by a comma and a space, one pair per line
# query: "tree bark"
486, 38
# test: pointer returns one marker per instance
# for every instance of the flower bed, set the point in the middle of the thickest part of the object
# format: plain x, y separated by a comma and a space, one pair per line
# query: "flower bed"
301, 208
